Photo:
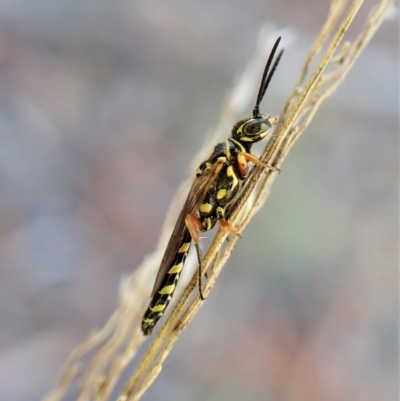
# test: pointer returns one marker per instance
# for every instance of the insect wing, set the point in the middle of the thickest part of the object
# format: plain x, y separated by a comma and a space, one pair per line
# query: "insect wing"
196, 195
190, 207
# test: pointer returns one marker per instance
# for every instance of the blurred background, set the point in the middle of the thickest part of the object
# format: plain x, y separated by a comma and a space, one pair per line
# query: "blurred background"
102, 106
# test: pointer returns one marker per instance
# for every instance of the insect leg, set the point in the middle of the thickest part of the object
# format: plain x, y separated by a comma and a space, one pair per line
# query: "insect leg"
194, 226
244, 157
200, 271
225, 225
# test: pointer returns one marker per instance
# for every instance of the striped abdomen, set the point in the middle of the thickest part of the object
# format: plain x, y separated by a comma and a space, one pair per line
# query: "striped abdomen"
163, 295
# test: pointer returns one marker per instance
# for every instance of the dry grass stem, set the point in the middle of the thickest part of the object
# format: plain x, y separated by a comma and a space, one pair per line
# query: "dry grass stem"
117, 345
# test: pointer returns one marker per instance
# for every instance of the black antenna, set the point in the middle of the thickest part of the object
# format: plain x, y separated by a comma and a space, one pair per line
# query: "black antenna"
267, 75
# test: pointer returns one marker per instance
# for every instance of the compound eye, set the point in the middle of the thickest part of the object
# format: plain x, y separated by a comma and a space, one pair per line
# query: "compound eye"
254, 128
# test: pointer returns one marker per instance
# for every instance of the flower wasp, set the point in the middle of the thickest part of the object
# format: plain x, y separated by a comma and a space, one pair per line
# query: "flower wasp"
217, 184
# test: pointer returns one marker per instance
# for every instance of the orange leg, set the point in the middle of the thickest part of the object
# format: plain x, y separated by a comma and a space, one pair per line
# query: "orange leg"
228, 227
243, 157
194, 226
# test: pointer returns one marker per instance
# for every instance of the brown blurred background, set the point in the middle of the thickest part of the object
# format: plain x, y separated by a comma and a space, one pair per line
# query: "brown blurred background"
102, 106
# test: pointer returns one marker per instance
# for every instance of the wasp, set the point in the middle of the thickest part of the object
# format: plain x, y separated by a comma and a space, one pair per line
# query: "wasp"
217, 184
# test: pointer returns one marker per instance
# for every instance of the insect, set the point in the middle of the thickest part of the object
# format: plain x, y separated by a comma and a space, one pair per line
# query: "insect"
217, 184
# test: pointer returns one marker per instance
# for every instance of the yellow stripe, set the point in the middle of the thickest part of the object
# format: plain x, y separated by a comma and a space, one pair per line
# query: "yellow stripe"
220, 211
205, 208
246, 139
175, 268
158, 308
184, 248
238, 144
148, 321
241, 159
221, 194
231, 173
208, 223
168, 289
